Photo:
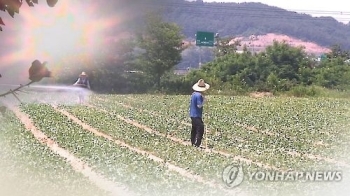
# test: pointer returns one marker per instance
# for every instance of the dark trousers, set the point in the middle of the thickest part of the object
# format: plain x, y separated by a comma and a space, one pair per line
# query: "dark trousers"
197, 131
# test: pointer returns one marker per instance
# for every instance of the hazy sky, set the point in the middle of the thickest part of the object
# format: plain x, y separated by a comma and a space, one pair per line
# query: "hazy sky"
339, 9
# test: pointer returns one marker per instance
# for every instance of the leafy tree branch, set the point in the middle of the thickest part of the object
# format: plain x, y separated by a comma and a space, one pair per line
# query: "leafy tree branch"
37, 72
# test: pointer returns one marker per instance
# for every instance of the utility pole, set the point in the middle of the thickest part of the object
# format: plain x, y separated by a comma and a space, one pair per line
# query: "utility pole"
217, 44
252, 38
200, 57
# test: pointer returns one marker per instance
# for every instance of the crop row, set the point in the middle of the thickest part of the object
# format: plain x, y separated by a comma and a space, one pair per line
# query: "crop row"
277, 115
323, 125
209, 165
30, 168
302, 112
119, 164
196, 160
241, 142
170, 104
41, 114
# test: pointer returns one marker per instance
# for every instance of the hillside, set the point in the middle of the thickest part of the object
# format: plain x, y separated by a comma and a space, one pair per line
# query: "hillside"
245, 19
260, 42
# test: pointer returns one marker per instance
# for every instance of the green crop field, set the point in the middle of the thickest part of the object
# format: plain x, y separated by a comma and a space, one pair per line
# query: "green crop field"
141, 143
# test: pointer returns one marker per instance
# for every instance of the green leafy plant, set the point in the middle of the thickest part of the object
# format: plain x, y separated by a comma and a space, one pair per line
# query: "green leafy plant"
117, 163
27, 162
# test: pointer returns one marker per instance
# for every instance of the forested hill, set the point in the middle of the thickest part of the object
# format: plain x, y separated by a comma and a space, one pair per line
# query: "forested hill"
244, 19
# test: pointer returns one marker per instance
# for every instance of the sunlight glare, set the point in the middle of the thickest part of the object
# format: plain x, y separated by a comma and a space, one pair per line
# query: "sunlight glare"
67, 30
59, 37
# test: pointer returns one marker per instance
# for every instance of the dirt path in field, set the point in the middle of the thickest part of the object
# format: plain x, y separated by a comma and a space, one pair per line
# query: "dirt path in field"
77, 164
296, 154
170, 166
226, 154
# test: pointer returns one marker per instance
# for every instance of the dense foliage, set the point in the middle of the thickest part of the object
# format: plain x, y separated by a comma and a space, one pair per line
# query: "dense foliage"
280, 68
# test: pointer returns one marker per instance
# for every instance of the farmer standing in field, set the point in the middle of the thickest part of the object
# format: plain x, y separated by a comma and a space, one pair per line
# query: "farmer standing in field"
83, 82
196, 112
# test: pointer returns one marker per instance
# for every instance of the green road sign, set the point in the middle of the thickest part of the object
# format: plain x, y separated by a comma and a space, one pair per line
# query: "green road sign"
204, 38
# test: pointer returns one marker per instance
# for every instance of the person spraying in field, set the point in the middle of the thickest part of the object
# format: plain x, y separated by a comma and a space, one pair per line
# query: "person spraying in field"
84, 83
196, 112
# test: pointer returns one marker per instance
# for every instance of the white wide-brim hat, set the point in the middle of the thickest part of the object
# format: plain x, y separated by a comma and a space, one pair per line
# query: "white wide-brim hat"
83, 74
200, 86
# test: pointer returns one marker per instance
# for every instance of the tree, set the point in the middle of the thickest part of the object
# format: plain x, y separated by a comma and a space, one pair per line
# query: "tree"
161, 45
338, 52
224, 47
12, 6
288, 60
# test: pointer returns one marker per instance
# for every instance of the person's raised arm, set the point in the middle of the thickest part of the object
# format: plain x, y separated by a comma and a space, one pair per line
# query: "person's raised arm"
76, 83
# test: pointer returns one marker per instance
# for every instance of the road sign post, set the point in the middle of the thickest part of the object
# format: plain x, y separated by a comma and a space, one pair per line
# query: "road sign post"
205, 39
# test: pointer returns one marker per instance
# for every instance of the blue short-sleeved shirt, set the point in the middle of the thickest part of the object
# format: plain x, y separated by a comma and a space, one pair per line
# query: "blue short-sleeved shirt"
196, 99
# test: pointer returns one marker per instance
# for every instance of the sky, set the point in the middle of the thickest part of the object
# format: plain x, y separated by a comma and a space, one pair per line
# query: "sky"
338, 9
